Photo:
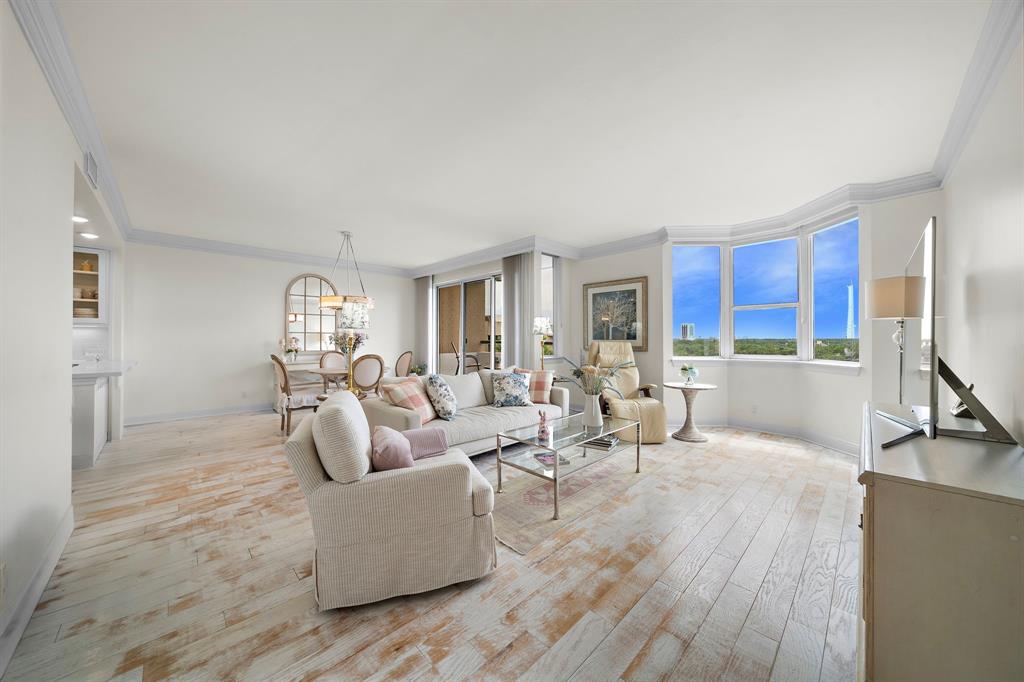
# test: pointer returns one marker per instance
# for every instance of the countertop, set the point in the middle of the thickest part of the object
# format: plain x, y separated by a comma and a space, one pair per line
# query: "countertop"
87, 369
972, 467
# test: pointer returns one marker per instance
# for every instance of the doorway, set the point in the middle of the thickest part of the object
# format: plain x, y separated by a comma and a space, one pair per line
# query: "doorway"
469, 325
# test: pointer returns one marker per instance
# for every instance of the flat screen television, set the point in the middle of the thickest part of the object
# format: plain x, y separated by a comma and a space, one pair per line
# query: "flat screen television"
921, 338
923, 367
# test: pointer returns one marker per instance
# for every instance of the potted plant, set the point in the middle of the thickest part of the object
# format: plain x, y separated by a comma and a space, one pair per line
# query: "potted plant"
418, 370
593, 381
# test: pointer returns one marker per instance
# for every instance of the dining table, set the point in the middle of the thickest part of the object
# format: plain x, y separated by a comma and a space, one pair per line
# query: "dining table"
329, 374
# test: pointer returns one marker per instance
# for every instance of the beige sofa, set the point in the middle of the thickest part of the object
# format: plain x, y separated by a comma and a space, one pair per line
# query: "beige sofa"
390, 533
476, 423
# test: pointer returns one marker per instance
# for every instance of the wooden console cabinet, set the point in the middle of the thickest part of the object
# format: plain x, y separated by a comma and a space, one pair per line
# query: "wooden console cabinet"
942, 560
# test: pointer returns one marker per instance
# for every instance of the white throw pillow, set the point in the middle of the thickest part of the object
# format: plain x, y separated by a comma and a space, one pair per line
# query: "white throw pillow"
342, 438
511, 390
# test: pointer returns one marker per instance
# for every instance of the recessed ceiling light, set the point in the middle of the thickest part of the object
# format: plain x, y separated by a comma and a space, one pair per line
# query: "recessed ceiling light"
88, 235
79, 219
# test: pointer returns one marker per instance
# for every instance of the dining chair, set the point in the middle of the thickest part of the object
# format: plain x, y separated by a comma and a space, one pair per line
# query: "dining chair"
332, 359
367, 371
403, 364
458, 358
289, 400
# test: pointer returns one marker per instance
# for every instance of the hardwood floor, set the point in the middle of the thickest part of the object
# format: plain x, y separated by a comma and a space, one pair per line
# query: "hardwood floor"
191, 559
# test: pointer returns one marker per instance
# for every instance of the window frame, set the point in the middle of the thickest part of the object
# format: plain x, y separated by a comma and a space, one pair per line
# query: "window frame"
810, 288
805, 290
723, 306
797, 305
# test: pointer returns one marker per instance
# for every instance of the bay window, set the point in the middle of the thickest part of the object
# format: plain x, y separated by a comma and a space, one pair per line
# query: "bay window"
791, 297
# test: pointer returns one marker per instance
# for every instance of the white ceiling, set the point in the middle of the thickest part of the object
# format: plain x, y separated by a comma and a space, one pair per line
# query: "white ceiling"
435, 129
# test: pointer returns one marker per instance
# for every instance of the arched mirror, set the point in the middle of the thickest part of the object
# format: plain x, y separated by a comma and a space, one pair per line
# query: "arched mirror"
303, 317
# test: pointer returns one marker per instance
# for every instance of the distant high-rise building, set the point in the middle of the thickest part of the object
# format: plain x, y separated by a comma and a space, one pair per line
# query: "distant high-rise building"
850, 331
687, 331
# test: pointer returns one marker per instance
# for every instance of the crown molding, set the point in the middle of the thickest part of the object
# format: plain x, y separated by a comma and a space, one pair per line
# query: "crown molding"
44, 32
643, 241
828, 206
175, 241
1000, 36
524, 245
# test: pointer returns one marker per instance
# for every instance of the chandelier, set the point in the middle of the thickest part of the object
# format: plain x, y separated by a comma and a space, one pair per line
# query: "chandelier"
353, 309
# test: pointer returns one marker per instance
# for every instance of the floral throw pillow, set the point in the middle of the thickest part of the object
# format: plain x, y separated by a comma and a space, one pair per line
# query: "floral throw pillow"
441, 396
511, 390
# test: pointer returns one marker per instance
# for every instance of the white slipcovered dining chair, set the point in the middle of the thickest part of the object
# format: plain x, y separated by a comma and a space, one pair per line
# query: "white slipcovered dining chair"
288, 399
367, 371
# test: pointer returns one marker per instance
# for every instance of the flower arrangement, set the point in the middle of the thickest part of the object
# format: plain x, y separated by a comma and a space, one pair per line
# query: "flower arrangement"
348, 342
689, 372
290, 347
593, 380
418, 370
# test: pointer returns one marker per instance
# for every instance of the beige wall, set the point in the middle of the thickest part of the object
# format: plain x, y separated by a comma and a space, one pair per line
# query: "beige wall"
201, 327
981, 244
37, 165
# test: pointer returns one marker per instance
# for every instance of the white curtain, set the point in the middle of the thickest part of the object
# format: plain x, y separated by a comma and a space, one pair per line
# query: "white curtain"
423, 322
517, 338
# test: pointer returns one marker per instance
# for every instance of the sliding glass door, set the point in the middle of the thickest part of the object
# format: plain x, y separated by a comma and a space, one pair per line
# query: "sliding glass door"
469, 326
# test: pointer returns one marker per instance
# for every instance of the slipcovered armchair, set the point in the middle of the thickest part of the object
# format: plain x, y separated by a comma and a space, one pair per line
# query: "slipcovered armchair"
637, 401
383, 534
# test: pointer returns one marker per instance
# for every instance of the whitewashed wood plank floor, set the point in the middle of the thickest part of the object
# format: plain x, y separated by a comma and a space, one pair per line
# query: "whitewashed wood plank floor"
191, 559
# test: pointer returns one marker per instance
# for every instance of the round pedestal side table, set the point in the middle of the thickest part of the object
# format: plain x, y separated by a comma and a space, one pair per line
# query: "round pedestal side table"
689, 432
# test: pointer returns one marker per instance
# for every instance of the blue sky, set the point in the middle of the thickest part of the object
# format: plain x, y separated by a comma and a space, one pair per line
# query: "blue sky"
836, 264
767, 273
695, 289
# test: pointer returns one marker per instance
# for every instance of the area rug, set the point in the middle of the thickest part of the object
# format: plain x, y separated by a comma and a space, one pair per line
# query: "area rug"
523, 511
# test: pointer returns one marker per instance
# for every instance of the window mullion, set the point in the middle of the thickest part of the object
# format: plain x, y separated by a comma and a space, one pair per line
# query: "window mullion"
725, 344
804, 308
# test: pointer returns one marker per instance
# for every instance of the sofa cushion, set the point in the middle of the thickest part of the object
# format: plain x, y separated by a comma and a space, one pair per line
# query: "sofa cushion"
410, 394
342, 439
441, 396
391, 450
486, 421
469, 389
541, 382
487, 381
511, 390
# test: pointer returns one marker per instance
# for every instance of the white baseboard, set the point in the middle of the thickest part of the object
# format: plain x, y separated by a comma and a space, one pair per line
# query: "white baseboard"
197, 414
14, 623
811, 436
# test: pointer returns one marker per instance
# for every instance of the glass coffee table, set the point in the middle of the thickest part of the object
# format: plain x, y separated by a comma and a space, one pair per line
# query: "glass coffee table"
570, 448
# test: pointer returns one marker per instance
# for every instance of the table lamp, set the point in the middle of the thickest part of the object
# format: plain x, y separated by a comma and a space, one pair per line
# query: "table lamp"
896, 298
542, 328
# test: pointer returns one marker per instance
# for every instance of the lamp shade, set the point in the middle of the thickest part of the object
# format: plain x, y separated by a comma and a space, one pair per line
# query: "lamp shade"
353, 315
542, 325
896, 298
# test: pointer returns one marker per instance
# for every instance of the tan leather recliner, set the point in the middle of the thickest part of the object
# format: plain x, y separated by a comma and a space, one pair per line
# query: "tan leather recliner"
637, 401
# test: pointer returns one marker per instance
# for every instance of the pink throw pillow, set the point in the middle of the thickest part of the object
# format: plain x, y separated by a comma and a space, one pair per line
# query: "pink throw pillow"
541, 382
410, 394
391, 450
427, 442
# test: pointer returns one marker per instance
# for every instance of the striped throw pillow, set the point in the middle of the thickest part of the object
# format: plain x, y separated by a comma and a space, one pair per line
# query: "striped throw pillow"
540, 384
410, 394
